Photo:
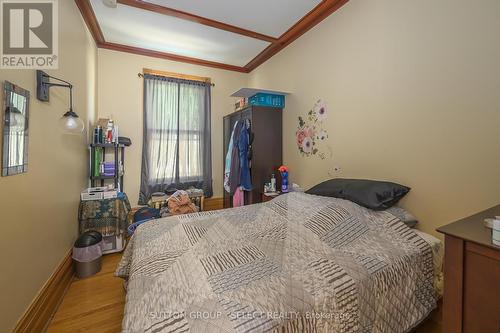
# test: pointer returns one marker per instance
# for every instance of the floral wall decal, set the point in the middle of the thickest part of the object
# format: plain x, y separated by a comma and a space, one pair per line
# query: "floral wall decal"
311, 133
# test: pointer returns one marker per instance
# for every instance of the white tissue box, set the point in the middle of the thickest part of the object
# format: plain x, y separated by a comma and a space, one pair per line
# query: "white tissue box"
85, 196
496, 232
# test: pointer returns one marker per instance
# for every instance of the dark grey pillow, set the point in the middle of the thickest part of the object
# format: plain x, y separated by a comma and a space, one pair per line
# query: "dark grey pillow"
376, 195
402, 214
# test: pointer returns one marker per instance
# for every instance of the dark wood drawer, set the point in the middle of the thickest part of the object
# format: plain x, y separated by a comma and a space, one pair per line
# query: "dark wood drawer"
481, 303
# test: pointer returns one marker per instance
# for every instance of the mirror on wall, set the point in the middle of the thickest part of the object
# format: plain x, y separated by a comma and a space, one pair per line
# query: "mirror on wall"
15, 129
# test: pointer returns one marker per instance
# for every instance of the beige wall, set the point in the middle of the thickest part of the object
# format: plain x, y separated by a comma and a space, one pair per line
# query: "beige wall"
39, 208
121, 97
413, 93
412, 89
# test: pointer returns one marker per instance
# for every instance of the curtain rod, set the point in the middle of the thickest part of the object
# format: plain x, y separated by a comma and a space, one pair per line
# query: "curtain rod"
177, 76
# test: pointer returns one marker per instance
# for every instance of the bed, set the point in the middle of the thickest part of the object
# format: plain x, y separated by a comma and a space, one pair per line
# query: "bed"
298, 263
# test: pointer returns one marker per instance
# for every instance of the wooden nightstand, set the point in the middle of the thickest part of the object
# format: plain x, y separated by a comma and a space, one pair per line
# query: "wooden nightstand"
471, 276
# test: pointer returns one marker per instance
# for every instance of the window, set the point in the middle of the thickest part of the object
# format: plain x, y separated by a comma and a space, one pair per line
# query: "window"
176, 150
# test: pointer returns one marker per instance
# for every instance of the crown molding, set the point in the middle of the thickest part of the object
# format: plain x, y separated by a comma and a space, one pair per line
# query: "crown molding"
90, 19
170, 56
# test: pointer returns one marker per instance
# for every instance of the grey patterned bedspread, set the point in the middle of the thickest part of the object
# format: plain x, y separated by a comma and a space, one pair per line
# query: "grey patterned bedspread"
298, 263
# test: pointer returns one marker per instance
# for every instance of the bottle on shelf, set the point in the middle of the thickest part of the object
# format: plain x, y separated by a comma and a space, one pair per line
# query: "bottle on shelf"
109, 131
115, 134
273, 183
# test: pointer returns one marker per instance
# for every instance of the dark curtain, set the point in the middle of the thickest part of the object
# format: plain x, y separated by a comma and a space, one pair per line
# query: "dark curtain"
176, 151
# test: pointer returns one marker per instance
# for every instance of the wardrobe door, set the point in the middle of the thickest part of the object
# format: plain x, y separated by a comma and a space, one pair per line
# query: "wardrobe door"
267, 148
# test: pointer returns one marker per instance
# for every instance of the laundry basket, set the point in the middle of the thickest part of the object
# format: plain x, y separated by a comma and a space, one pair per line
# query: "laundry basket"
87, 254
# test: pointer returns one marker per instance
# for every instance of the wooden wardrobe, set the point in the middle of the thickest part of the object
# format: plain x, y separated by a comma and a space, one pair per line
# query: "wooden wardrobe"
267, 148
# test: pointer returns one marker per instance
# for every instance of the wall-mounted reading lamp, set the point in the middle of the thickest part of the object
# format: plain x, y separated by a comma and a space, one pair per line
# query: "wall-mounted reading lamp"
69, 122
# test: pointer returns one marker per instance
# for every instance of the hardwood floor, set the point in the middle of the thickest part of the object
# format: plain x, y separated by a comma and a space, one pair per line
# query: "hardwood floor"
95, 305
433, 324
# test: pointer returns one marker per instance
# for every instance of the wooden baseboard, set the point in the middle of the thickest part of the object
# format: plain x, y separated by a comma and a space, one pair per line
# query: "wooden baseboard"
44, 306
213, 204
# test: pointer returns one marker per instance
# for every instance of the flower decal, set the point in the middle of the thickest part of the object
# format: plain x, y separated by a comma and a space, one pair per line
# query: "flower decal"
307, 145
310, 131
320, 110
301, 135
322, 135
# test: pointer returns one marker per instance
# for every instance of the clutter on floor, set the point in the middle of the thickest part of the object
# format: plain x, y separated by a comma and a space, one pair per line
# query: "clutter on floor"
180, 203
142, 215
160, 201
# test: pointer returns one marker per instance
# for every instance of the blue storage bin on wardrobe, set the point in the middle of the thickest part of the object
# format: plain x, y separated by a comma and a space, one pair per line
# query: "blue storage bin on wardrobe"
269, 100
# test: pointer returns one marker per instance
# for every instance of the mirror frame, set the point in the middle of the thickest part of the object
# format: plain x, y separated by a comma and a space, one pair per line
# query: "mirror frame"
10, 88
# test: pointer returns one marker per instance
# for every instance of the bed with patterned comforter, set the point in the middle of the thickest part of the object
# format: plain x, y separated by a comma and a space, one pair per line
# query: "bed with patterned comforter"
298, 263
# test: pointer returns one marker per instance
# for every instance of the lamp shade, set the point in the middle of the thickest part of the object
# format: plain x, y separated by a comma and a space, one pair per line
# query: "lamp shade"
71, 123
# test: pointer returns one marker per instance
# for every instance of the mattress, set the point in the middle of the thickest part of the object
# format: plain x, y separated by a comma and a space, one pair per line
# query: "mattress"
298, 263
437, 258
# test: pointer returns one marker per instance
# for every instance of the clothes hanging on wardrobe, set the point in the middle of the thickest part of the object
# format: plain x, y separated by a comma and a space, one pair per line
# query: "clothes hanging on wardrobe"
237, 159
227, 165
243, 147
238, 198
234, 174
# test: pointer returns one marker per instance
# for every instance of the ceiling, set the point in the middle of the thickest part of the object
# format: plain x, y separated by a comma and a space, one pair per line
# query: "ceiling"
228, 34
272, 18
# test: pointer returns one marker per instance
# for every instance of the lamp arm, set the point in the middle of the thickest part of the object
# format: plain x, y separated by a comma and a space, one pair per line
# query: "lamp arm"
66, 85
58, 79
